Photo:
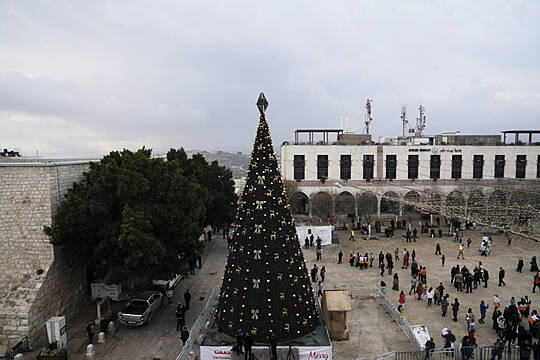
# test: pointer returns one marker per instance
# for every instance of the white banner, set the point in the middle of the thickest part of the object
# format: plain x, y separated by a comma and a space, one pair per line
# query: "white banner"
323, 232
305, 352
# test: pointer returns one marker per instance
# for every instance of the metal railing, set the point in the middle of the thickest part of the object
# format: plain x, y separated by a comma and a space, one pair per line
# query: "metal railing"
474, 352
21, 347
199, 324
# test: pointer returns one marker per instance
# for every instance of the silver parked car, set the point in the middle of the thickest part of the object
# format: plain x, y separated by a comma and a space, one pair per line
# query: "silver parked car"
141, 308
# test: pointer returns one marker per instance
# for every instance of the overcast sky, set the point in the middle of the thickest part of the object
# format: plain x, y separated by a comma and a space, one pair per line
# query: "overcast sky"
80, 78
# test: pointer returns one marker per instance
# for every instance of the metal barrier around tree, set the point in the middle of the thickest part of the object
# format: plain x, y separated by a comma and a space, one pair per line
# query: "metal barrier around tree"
372, 292
199, 324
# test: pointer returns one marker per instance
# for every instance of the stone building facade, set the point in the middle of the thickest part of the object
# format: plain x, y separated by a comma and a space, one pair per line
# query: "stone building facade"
35, 282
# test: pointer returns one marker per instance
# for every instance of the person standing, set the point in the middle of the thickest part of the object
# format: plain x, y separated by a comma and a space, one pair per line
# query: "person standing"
443, 259
184, 335
536, 282
273, 346
382, 268
455, 310
169, 292
323, 273
311, 240
371, 258
381, 258
248, 344
319, 292
444, 305
383, 287
352, 236
429, 346
483, 310
187, 298
395, 284
485, 277
534, 265
239, 342
90, 332
180, 316
390, 266
340, 257
438, 248
519, 267
430, 295
199, 260
415, 233
501, 277
191, 265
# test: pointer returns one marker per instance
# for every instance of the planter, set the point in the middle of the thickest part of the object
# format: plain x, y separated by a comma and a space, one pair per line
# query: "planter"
61, 356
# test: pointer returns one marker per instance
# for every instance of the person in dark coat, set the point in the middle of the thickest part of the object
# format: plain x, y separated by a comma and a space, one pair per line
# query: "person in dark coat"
180, 316
239, 342
395, 284
191, 265
184, 335
455, 309
519, 267
248, 344
534, 266
485, 277
273, 346
340, 257
90, 332
187, 298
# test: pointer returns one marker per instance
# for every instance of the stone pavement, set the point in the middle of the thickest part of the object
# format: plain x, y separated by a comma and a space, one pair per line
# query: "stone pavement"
416, 311
159, 339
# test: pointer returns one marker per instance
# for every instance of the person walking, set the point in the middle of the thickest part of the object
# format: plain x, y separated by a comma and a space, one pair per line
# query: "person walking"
320, 291
483, 311
371, 258
395, 284
184, 335
381, 258
323, 273
390, 266
413, 285
340, 257
402, 298
352, 236
443, 259
199, 260
455, 310
415, 234
381, 266
460, 253
536, 282
187, 299
501, 277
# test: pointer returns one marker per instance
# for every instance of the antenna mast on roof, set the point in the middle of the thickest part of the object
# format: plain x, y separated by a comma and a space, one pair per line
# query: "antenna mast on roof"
368, 114
404, 118
420, 121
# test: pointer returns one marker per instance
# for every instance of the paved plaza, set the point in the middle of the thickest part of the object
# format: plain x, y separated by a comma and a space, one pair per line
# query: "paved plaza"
372, 330
416, 311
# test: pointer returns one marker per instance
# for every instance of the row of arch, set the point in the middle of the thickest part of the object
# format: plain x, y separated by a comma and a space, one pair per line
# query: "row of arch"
324, 204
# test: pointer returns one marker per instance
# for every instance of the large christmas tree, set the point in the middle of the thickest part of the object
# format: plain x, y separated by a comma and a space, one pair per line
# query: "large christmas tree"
266, 288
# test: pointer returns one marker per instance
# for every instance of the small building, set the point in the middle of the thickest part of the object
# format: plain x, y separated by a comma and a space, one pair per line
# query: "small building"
336, 304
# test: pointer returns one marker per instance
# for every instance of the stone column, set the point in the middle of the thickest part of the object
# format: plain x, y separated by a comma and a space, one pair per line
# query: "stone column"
379, 199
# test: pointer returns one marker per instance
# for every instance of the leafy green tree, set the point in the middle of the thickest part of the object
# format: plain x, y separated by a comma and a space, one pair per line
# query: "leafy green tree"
134, 218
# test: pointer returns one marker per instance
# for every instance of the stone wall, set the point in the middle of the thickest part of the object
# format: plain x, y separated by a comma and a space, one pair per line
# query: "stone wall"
29, 196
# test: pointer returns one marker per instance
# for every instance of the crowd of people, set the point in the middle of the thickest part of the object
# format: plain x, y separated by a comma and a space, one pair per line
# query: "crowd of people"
515, 324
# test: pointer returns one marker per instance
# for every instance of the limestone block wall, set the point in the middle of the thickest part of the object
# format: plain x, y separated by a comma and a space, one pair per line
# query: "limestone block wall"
29, 196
